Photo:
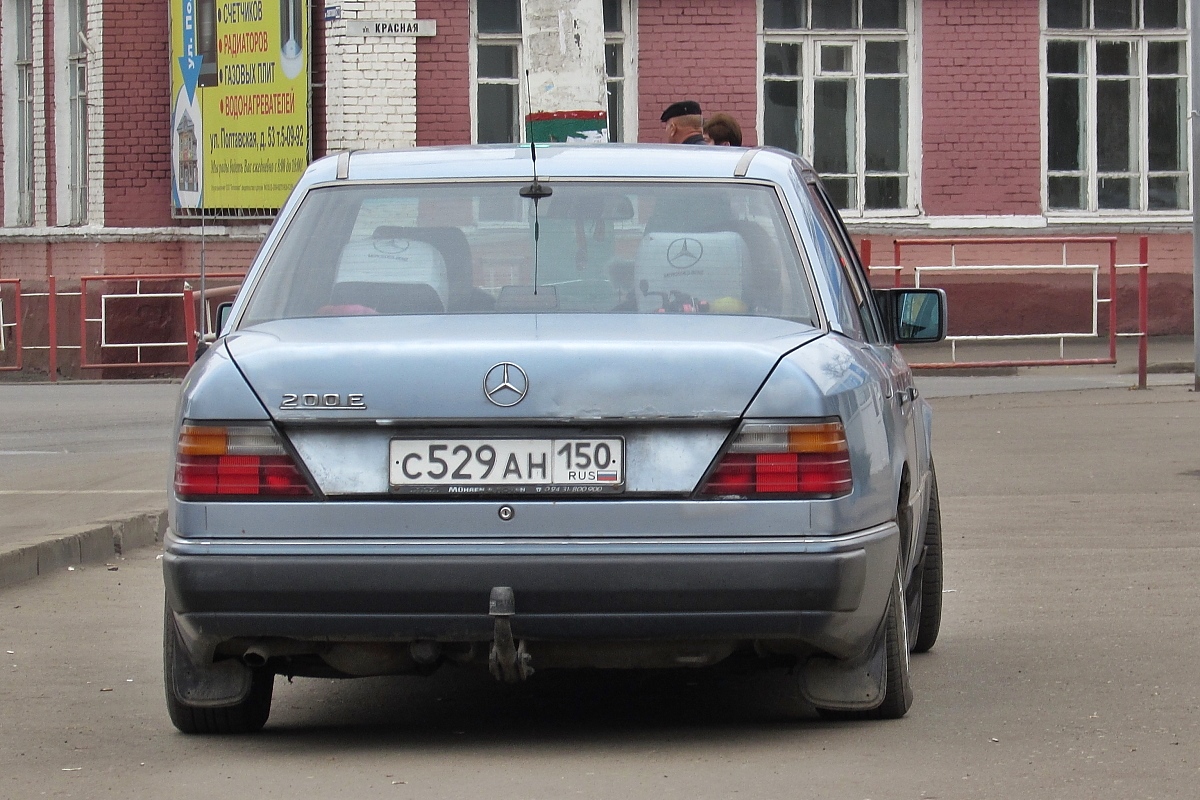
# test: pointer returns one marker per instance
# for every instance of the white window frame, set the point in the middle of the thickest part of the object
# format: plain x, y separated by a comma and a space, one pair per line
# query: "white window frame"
20, 99
1140, 37
508, 39
627, 39
77, 187
71, 123
808, 38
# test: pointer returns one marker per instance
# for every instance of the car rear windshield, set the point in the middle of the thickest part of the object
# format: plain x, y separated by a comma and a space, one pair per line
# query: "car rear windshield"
490, 247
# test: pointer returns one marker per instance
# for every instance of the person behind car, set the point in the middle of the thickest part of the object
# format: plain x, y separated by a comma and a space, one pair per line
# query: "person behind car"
723, 129
683, 124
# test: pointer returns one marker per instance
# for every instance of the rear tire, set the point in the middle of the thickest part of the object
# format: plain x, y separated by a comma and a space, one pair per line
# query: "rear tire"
248, 716
929, 622
897, 696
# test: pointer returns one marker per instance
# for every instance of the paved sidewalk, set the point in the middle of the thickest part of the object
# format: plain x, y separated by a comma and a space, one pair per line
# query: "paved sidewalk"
84, 467
83, 472
1170, 362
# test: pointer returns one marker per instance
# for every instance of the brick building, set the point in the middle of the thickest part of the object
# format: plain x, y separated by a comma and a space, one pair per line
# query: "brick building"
925, 117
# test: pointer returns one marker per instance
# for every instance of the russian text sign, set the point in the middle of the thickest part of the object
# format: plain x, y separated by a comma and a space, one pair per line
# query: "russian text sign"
239, 89
392, 27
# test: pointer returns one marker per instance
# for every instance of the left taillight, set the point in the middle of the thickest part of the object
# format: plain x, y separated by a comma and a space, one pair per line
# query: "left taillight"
808, 460
235, 461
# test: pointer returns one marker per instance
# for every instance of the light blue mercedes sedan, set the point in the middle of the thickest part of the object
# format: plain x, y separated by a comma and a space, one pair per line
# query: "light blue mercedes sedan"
525, 408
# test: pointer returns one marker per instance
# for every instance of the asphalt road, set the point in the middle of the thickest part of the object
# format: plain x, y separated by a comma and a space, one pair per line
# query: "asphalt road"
1066, 666
75, 454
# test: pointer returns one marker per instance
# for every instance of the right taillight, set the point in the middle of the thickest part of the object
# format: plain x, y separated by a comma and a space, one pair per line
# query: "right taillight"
785, 460
230, 461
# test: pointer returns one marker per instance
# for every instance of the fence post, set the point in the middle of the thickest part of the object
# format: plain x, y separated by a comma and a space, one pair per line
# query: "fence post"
52, 311
189, 323
1112, 300
1143, 308
864, 253
20, 337
83, 331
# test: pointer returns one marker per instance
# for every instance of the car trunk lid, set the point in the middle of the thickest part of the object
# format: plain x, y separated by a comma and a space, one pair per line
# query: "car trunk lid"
576, 368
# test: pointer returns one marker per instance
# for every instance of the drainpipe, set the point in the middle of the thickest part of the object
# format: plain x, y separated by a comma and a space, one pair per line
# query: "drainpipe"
1194, 118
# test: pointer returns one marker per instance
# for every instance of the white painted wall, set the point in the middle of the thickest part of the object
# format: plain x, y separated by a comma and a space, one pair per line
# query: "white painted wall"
96, 188
564, 52
371, 81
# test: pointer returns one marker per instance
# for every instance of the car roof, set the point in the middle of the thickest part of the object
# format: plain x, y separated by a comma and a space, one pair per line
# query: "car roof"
556, 161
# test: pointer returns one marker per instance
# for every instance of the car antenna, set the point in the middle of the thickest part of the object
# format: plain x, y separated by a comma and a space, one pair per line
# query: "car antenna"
534, 191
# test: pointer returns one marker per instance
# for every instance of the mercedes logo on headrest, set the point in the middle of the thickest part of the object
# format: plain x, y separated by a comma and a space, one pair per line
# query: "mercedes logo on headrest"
684, 253
505, 384
391, 246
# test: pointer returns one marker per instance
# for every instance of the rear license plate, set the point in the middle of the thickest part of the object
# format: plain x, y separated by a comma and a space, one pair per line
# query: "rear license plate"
465, 466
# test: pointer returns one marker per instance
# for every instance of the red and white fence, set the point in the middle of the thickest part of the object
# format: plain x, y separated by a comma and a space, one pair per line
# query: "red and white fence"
1065, 265
150, 321
11, 328
139, 322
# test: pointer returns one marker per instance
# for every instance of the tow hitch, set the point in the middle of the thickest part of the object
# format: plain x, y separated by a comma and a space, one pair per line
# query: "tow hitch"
507, 661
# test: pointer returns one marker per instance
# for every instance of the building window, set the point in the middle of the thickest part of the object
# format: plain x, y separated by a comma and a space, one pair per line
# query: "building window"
498, 93
78, 101
618, 67
23, 33
1116, 105
836, 90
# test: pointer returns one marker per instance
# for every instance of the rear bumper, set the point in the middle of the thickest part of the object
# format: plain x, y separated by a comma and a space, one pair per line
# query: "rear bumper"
829, 592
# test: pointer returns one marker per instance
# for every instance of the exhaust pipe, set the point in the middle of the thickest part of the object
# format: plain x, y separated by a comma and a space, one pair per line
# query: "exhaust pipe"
257, 654
255, 657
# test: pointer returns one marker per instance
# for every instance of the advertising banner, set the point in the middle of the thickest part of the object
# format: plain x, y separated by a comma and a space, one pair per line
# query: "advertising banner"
239, 93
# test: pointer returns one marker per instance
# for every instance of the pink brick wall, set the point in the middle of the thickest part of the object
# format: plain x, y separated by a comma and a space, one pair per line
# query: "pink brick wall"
23, 260
981, 127
137, 114
703, 51
444, 75
68, 260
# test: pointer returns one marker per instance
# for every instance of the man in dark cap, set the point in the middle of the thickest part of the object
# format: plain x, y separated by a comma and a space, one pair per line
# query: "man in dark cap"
683, 124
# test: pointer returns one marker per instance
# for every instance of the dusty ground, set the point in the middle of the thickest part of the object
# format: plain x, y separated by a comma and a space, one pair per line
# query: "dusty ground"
1066, 667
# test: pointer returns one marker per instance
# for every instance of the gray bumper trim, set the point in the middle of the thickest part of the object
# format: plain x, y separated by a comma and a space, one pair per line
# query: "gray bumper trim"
340, 590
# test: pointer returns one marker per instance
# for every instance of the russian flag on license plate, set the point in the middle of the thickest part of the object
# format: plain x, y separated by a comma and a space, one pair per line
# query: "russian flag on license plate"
607, 476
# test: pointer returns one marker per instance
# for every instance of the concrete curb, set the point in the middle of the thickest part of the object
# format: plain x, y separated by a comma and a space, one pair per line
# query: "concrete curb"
86, 544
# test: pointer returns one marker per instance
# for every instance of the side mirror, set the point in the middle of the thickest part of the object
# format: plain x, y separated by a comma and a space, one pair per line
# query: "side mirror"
222, 317
913, 316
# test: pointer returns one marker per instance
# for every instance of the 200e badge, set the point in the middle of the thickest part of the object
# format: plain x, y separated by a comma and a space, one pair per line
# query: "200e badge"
318, 401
